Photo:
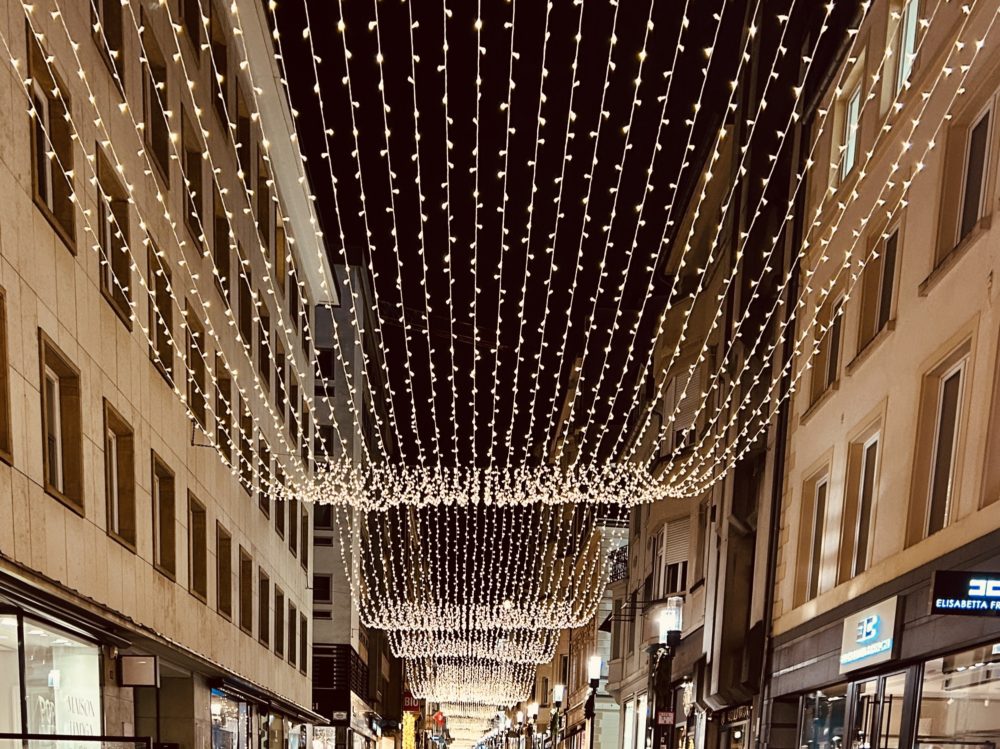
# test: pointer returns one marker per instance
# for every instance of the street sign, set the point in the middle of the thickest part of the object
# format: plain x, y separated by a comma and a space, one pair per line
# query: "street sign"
665, 718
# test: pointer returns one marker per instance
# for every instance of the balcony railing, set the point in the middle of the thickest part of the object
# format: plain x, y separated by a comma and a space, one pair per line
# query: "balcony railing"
618, 561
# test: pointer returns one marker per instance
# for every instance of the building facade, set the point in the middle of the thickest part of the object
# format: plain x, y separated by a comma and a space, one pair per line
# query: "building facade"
158, 263
883, 632
357, 683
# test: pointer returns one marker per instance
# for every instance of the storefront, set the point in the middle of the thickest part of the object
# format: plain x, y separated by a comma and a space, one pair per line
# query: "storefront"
50, 679
734, 728
919, 669
239, 722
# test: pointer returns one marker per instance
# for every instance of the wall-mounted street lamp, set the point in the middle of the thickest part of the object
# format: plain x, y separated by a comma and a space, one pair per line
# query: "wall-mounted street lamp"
558, 692
594, 665
661, 656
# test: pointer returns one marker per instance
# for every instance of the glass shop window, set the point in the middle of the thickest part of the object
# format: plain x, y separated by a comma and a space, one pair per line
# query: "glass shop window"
230, 722
10, 686
62, 682
960, 701
822, 723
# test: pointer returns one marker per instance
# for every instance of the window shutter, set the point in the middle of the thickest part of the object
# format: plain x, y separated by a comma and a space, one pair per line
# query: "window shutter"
687, 408
677, 541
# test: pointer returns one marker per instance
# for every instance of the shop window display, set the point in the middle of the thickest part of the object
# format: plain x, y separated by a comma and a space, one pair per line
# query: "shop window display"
230, 722
10, 687
822, 725
960, 700
61, 682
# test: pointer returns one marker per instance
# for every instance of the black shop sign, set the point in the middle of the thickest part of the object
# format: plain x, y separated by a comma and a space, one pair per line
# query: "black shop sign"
966, 593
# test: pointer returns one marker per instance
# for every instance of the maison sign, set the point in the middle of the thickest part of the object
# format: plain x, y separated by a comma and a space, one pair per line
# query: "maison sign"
966, 593
868, 636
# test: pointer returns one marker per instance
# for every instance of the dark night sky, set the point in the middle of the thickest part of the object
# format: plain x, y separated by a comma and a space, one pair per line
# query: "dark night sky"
528, 42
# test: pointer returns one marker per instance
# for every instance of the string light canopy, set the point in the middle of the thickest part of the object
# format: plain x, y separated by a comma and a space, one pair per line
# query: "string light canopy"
506, 216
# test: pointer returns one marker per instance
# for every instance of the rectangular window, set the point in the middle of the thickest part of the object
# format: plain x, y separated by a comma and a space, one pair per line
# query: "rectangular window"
293, 409
246, 591
866, 505
106, 21
817, 532
197, 548
197, 353
6, 448
155, 98
293, 526
264, 348
303, 643
306, 326
119, 476
224, 571
279, 378
243, 135
265, 206
293, 298
826, 366
192, 167
849, 138
322, 517
62, 453
279, 622
221, 246
322, 588
293, 645
263, 608
220, 62
264, 477
859, 505
304, 535
877, 288
52, 146
246, 450
906, 43
942, 467
164, 519
244, 281
279, 505
191, 23
280, 254
974, 178
223, 408
113, 239
161, 315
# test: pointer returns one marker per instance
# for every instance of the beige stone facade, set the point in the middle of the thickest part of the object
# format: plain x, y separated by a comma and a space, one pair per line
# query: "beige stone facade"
52, 290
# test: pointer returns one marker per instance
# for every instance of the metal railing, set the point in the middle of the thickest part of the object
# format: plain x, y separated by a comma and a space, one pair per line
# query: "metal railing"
618, 562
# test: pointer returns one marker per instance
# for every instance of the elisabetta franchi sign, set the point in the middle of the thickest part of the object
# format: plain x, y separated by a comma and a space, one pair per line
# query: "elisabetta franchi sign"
966, 593
869, 637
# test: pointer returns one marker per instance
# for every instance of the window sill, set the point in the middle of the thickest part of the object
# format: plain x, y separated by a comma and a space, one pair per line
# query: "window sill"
64, 499
68, 241
954, 255
873, 343
159, 367
818, 403
122, 314
130, 545
201, 597
224, 615
6, 456
171, 576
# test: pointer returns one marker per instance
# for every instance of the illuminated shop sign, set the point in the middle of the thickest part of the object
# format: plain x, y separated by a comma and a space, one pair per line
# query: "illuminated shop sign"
966, 593
868, 637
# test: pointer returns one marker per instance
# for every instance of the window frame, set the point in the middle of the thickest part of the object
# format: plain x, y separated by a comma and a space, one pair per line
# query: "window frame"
958, 367
113, 238
901, 76
197, 583
164, 529
987, 111
6, 427
876, 440
124, 438
850, 130
223, 537
161, 320
245, 597
155, 94
817, 521
69, 428
113, 61
263, 608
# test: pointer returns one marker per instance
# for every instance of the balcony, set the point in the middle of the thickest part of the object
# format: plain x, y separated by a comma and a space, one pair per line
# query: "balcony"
618, 561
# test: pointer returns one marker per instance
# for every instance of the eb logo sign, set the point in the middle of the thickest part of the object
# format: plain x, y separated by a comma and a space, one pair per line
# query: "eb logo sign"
984, 588
868, 628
